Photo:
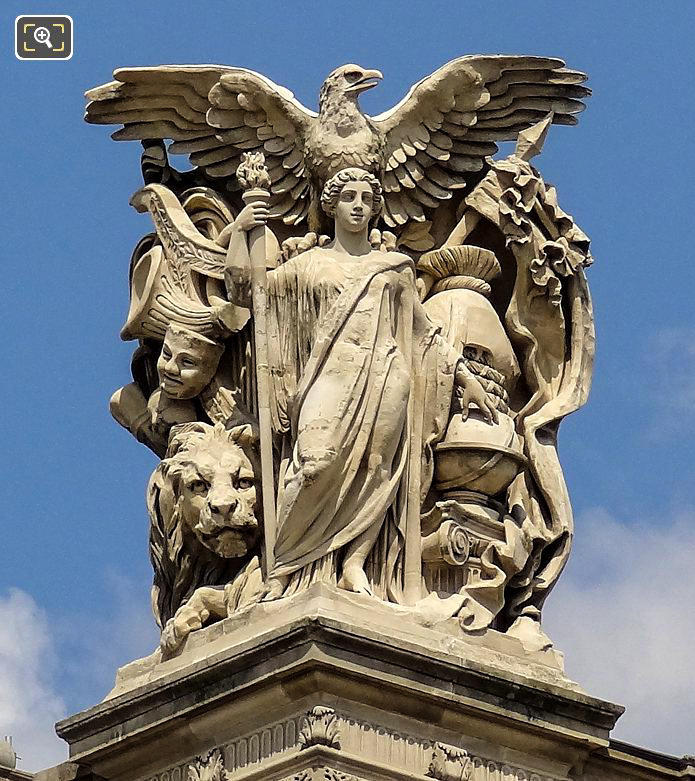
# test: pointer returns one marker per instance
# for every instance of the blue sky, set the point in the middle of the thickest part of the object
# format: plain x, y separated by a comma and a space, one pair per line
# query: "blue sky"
75, 577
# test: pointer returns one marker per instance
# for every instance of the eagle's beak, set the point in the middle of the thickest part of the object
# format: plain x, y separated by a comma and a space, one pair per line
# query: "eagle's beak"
369, 79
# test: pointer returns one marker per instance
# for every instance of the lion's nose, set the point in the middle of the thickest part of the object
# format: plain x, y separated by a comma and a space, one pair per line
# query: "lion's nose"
222, 506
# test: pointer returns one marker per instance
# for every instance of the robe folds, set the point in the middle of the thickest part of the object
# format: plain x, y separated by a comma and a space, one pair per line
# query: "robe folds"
349, 342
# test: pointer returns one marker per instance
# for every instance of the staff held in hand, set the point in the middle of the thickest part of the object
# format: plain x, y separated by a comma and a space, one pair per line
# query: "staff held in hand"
255, 183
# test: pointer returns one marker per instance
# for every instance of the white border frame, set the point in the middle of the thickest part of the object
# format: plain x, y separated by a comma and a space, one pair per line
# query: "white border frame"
44, 59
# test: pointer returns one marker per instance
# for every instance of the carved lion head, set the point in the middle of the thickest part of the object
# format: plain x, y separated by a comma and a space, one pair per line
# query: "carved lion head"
202, 505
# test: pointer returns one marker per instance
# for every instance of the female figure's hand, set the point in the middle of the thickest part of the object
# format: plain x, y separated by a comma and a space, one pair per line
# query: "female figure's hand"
251, 216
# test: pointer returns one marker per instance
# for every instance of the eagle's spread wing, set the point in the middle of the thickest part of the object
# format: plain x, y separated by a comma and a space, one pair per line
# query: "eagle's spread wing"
251, 113
449, 122
212, 113
164, 101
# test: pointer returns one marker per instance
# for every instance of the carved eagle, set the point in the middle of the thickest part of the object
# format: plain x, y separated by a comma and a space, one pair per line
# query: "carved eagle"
422, 149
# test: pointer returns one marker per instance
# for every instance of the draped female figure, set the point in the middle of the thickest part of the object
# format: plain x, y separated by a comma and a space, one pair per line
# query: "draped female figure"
361, 390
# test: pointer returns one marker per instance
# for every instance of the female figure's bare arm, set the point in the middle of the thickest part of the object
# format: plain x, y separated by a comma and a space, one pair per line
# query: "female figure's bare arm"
237, 276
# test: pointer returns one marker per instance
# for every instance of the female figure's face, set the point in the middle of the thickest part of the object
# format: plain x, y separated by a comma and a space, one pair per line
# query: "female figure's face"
355, 206
185, 369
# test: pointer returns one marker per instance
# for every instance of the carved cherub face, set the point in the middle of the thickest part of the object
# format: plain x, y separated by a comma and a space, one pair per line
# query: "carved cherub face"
187, 363
217, 498
355, 206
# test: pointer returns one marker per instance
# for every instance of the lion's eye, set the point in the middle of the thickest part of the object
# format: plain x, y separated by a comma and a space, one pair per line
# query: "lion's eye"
244, 483
197, 486
187, 363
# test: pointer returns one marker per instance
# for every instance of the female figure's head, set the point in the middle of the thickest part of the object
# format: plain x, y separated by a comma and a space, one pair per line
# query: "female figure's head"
187, 363
352, 197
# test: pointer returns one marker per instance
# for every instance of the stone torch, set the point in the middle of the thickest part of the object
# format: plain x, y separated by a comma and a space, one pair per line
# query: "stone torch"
254, 180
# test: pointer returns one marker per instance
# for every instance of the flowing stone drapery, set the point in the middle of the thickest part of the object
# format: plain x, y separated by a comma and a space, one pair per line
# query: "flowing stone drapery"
550, 321
350, 337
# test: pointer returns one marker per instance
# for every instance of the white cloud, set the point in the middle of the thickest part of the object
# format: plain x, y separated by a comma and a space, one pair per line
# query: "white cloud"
50, 669
671, 357
94, 645
29, 702
623, 615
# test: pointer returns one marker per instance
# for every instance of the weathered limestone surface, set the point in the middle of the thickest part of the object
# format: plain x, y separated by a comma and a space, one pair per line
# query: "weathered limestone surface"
8, 763
326, 687
360, 509
246, 684
400, 369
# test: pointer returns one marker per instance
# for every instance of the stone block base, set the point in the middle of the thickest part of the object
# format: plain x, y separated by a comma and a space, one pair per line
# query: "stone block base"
326, 686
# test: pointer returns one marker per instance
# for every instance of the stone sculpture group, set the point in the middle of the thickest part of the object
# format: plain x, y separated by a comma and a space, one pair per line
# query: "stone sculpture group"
357, 337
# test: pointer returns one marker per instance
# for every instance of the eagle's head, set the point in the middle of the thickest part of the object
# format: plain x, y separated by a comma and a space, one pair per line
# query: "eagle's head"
346, 83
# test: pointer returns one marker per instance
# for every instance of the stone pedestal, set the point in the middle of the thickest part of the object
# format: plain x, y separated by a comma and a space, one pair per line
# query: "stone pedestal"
333, 686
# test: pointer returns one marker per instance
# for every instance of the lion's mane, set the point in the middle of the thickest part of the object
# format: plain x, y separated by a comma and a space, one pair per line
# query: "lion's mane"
181, 562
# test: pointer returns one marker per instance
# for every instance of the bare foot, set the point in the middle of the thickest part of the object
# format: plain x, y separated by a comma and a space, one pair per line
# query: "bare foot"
275, 588
355, 579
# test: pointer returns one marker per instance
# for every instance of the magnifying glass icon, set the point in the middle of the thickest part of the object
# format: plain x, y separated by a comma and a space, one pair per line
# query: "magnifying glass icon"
41, 35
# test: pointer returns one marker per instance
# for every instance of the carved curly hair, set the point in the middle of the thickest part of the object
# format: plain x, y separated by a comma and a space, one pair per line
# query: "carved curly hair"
334, 186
